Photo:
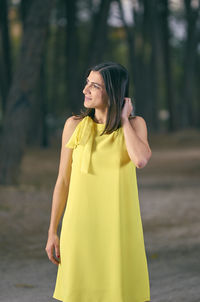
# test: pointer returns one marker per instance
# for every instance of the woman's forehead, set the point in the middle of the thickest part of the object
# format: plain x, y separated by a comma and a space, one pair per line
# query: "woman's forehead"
95, 76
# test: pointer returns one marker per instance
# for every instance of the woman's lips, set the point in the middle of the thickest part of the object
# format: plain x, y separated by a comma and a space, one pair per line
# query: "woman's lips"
87, 99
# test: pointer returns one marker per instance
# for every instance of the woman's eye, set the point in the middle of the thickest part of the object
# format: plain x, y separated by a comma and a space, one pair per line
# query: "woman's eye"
93, 85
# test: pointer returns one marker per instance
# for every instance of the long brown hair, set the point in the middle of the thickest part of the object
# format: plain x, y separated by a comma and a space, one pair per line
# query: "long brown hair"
116, 80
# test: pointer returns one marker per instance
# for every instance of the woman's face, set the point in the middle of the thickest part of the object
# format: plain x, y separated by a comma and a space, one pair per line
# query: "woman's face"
95, 92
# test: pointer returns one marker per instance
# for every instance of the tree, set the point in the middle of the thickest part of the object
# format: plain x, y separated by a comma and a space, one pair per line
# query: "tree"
72, 55
167, 62
192, 39
142, 46
20, 102
97, 43
5, 56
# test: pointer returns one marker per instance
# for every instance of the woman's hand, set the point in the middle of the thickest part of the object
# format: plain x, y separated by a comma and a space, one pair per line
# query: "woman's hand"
127, 109
53, 242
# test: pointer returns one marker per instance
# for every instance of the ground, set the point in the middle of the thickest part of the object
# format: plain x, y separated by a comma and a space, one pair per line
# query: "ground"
169, 190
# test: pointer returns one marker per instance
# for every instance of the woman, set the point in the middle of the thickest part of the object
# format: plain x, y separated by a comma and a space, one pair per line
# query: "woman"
101, 253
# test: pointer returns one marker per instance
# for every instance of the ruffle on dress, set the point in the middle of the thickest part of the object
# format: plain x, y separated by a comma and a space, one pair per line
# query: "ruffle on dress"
83, 135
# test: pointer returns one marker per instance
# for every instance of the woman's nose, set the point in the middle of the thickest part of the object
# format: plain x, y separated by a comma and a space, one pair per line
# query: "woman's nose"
86, 89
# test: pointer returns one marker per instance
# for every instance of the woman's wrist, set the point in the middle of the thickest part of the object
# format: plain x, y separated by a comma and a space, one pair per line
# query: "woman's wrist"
52, 231
124, 120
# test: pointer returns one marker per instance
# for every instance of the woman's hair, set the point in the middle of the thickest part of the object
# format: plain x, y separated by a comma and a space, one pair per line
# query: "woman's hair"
116, 81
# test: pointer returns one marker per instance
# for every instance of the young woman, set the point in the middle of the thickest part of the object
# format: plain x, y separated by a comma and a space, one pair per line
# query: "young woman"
101, 253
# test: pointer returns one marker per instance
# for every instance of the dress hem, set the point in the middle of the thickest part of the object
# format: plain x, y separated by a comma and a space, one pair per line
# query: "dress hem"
143, 300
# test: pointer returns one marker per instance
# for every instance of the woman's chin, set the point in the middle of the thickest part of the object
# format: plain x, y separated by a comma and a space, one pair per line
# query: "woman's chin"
86, 105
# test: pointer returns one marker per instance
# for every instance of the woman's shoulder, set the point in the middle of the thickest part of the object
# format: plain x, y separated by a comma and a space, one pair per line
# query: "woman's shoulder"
137, 121
72, 121
70, 125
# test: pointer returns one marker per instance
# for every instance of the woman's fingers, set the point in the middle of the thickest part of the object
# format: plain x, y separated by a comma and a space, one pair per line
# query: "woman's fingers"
57, 250
53, 259
49, 250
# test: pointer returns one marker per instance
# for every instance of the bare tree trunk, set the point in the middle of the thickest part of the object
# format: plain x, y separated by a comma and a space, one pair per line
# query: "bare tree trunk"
38, 132
56, 70
151, 63
20, 102
130, 34
43, 97
97, 43
197, 77
153, 74
167, 64
72, 72
24, 8
5, 61
187, 100
141, 66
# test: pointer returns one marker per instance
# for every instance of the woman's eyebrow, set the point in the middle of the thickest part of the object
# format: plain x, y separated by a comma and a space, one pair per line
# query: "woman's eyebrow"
95, 82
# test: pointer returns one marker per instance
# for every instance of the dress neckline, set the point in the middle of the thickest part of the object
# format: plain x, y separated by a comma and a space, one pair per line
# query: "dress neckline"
98, 124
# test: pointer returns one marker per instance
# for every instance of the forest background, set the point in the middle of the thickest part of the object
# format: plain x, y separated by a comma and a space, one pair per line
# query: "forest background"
47, 46
45, 49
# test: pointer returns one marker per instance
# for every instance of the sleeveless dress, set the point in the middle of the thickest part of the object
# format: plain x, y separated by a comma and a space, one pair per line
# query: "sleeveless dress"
102, 251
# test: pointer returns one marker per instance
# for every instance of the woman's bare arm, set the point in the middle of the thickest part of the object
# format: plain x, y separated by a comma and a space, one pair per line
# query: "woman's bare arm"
136, 138
61, 189
135, 133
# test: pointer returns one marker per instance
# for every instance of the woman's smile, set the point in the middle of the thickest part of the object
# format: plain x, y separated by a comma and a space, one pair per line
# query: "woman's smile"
87, 98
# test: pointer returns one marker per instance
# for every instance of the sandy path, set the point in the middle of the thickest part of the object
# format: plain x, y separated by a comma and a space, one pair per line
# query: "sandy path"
169, 193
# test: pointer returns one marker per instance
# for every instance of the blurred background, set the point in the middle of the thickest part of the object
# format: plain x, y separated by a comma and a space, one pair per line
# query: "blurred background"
45, 49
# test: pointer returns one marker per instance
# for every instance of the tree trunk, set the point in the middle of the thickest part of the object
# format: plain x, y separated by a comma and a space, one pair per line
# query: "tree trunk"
142, 68
197, 77
5, 62
167, 64
55, 75
97, 43
72, 54
153, 67
24, 8
139, 62
150, 58
38, 132
130, 35
187, 100
20, 103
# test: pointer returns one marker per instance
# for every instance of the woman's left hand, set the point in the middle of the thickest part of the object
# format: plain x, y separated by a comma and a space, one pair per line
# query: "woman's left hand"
127, 109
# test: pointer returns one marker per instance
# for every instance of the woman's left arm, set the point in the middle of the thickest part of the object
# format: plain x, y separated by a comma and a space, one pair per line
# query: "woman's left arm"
135, 134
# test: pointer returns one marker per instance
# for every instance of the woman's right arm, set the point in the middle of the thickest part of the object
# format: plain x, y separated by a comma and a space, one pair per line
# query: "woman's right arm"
60, 191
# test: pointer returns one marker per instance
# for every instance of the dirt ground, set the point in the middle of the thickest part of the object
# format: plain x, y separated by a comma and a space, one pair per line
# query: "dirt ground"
169, 190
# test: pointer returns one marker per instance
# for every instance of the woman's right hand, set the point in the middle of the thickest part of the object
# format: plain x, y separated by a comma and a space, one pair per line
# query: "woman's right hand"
53, 243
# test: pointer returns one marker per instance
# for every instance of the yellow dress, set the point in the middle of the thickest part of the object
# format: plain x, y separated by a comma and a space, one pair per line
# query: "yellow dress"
102, 251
